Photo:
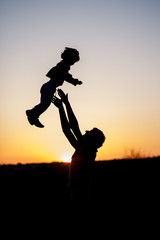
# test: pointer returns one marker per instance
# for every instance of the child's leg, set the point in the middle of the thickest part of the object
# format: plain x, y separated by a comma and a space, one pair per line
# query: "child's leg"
47, 92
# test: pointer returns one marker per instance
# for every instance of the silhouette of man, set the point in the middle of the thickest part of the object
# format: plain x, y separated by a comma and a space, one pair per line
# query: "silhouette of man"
85, 149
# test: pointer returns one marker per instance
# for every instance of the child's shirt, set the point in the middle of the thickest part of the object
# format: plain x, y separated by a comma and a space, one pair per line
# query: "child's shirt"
60, 73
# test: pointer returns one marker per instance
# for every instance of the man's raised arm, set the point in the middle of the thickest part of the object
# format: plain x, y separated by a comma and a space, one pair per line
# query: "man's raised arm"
64, 122
71, 116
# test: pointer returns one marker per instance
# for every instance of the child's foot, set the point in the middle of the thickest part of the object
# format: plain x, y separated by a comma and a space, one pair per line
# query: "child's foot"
33, 120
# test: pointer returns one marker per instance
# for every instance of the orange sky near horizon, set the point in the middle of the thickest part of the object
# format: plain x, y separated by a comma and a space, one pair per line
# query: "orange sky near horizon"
119, 49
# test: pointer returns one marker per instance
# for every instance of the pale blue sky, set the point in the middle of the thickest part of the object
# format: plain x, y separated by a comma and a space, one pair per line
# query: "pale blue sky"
118, 42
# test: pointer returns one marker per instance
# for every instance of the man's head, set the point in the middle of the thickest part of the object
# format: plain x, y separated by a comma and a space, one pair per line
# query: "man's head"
95, 137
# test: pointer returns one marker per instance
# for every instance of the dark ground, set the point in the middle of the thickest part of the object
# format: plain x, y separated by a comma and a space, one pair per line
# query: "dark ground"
120, 188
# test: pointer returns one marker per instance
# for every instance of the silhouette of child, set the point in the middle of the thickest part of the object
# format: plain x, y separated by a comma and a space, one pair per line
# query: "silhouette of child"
57, 75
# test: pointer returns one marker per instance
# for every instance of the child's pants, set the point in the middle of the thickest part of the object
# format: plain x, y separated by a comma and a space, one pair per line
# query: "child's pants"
47, 91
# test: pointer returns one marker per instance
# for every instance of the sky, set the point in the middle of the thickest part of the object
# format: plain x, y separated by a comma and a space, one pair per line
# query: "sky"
118, 42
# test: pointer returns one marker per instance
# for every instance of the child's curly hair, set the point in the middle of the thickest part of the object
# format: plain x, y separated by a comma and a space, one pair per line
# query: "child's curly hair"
70, 53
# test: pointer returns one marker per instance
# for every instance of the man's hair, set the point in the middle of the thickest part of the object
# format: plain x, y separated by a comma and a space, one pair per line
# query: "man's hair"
99, 137
70, 53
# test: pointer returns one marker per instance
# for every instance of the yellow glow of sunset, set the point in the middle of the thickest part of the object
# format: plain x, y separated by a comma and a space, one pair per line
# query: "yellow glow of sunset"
66, 158
118, 43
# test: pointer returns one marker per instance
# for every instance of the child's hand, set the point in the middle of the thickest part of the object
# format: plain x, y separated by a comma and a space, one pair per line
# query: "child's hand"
79, 82
63, 96
57, 102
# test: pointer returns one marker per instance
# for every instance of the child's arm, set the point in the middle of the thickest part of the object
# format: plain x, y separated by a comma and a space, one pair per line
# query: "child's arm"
72, 80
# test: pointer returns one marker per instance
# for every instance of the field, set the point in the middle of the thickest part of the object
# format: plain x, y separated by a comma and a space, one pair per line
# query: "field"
119, 187
114, 180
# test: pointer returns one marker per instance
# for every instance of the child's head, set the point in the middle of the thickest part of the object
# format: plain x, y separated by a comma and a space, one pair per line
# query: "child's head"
71, 55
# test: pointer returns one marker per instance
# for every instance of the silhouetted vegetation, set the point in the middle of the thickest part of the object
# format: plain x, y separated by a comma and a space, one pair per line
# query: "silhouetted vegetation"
113, 181
134, 154
124, 193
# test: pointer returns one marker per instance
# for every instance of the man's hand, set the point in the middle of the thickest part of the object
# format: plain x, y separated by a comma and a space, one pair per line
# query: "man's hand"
63, 96
57, 102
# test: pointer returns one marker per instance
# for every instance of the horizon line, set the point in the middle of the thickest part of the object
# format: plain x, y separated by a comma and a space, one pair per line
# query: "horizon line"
60, 161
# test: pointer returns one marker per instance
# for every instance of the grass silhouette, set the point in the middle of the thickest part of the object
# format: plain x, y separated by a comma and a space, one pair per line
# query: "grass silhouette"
134, 154
47, 182
37, 193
